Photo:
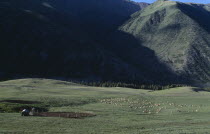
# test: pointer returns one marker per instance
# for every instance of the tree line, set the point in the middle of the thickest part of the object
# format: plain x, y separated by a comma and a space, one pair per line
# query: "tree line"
132, 85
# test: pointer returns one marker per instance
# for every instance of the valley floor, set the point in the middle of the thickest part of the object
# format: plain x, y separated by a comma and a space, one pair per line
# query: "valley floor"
117, 110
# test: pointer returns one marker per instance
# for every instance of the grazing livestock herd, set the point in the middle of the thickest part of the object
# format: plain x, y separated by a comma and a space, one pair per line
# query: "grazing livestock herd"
147, 106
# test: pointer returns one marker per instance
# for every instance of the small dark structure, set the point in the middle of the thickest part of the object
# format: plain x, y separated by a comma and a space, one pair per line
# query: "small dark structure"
25, 112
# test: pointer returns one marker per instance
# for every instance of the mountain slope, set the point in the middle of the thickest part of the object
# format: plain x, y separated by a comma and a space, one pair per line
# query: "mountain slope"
99, 16
45, 41
76, 40
179, 35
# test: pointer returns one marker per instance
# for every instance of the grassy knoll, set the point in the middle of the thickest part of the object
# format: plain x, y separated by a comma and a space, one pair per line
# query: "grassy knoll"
118, 110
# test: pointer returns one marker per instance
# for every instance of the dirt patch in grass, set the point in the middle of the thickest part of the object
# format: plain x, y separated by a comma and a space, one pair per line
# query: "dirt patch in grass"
65, 114
21, 101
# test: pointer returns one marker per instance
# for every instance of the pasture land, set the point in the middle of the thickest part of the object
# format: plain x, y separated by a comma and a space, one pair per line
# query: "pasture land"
117, 110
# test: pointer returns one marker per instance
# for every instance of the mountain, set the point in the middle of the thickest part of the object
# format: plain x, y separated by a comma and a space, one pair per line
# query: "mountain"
179, 35
98, 17
54, 39
92, 14
163, 43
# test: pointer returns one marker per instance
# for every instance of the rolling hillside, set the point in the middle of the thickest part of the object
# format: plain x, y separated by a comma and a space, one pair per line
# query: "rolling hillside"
178, 33
118, 110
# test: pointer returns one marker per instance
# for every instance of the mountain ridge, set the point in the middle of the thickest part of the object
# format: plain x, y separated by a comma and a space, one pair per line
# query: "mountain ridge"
171, 30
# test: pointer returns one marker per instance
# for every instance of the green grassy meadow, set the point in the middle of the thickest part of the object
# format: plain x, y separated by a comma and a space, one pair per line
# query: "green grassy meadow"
118, 110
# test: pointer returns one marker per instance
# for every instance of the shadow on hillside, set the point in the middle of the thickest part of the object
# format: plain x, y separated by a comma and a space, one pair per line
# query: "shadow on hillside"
39, 48
144, 59
200, 89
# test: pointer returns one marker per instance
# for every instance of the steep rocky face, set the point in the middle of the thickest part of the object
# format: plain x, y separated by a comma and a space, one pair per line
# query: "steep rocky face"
179, 35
